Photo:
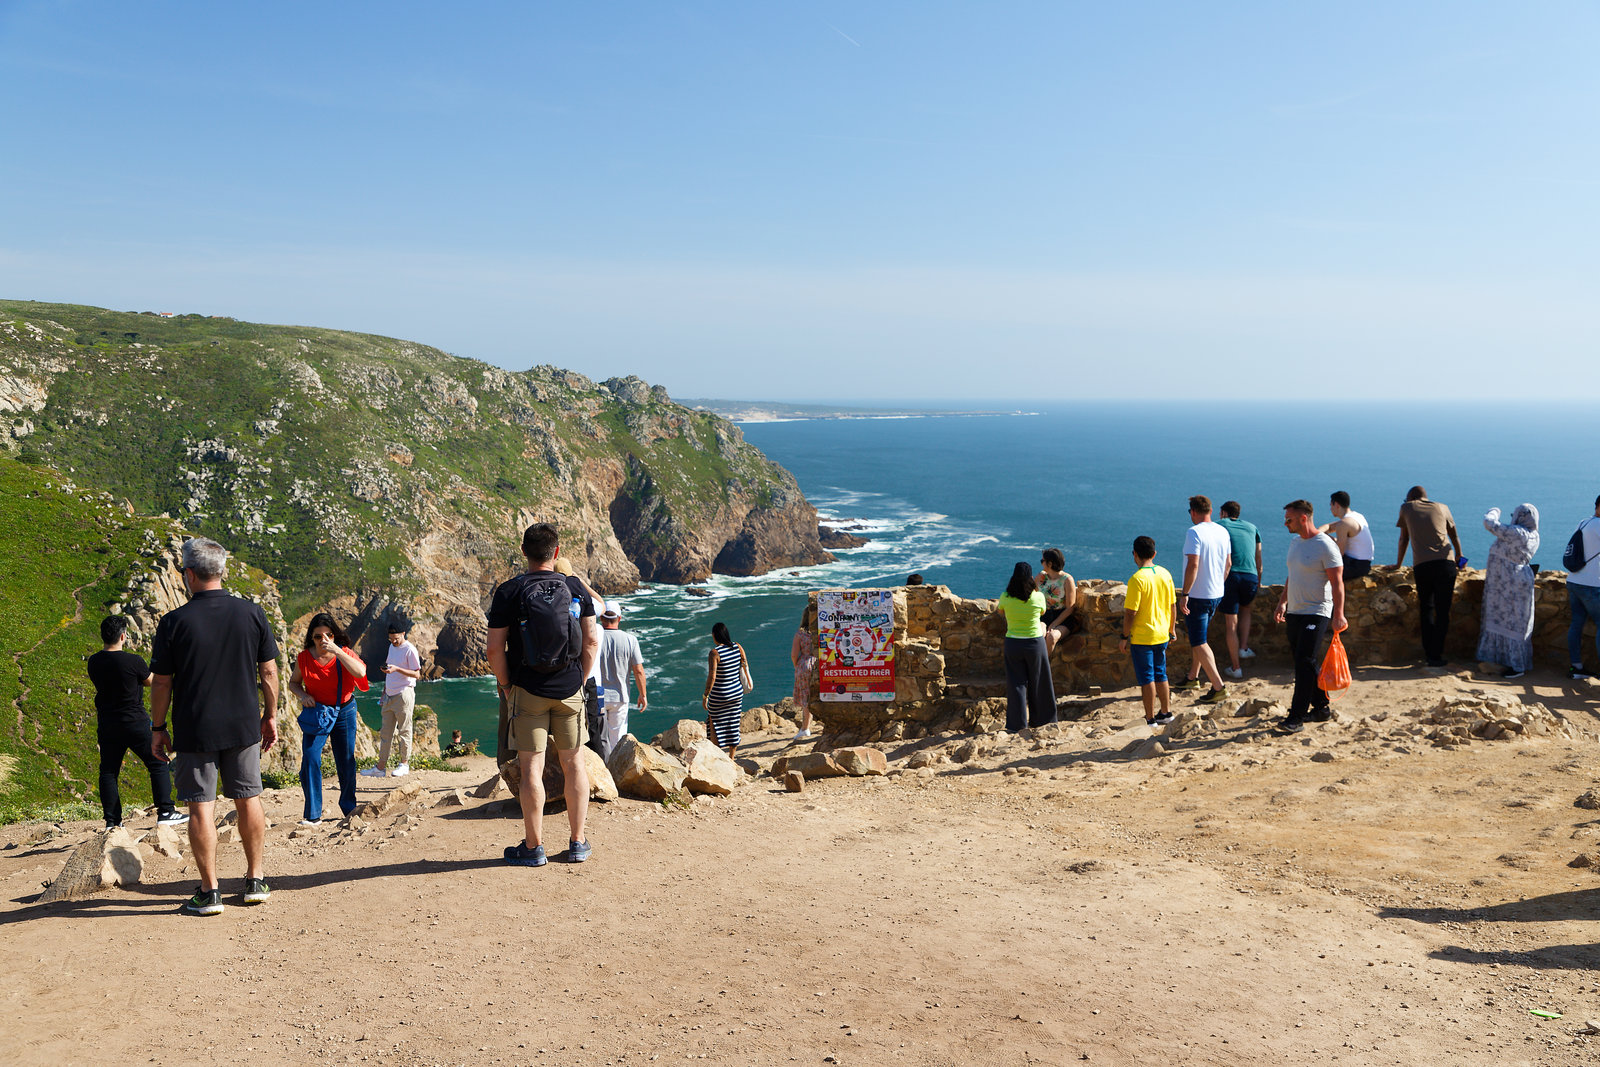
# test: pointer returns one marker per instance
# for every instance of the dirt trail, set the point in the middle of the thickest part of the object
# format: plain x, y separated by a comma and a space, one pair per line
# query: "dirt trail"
1369, 907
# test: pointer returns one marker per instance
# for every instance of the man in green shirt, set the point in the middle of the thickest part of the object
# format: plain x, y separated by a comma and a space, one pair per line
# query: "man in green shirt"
1239, 588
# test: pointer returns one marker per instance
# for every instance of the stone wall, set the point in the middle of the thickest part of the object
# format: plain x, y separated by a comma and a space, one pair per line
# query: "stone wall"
950, 665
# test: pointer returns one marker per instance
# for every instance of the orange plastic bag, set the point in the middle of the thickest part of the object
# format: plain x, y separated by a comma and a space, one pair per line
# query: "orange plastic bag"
1335, 674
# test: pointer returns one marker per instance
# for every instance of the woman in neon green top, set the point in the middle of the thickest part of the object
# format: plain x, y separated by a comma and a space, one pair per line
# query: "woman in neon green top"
1030, 693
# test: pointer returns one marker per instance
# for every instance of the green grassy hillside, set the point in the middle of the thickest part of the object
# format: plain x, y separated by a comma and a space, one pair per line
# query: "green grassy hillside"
71, 555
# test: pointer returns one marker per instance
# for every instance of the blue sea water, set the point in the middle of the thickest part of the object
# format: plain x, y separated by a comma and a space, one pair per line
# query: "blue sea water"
961, 499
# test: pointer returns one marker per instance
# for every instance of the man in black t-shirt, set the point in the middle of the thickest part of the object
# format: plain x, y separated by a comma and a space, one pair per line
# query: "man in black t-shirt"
119, 679
208, 658
544, 706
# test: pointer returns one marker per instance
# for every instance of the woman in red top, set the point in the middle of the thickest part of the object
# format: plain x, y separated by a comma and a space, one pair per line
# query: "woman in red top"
325, 678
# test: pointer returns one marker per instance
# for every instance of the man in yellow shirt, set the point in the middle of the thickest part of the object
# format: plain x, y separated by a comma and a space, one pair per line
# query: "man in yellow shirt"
1147, 626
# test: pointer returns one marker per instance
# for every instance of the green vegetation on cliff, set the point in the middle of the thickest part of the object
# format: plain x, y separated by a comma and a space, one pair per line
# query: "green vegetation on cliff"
71, 555
343, 462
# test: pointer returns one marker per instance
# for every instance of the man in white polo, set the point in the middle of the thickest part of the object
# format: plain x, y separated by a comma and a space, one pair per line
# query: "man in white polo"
401, 672
1207, 557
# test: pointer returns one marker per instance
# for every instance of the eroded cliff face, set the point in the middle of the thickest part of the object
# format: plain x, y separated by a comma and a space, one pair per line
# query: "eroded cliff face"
386, 479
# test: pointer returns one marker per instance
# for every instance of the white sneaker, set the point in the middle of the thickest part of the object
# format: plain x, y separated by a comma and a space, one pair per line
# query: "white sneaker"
801, 735
374, 772
1247, 653
308, 822
1233, 672
400, 770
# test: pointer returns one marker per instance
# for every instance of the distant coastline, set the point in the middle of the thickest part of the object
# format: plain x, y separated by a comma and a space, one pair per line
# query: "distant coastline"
772, 411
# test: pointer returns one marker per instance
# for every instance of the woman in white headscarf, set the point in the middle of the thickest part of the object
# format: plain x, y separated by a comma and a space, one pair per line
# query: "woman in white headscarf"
1508, 591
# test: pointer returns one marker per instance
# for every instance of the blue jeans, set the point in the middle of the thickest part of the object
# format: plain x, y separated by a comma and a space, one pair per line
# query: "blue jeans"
343, 735
1198, 621
1585, 603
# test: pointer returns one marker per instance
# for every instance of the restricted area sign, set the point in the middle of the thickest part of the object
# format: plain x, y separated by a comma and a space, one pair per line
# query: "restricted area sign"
855, 644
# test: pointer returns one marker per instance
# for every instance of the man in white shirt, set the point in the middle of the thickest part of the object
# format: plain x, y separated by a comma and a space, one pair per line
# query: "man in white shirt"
1207, 556
1583, 593
619, 655
401, 672
1352, 534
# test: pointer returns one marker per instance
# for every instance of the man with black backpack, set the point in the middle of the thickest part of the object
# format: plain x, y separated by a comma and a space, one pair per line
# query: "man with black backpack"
1582, 560
543, 640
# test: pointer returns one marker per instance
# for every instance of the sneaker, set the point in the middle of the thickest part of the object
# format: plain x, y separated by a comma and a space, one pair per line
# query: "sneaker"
1233, 672
374, 772
204, 902
801, 735
1319, 715
1292, 724
578, 851
520, 855
256, 891
172, 818
1216, 696
1188, 686
400, 770
1162, 719
1247, 653
1513, 674
113, 825
310, 822
1577, 674
1438, 663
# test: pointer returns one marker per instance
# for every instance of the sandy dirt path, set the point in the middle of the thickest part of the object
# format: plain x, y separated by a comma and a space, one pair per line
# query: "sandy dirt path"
1240, 900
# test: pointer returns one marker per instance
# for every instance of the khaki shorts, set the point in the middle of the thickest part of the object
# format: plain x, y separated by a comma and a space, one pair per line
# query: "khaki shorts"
535, 720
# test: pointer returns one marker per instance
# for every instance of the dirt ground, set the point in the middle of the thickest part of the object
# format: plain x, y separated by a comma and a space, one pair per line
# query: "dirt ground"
1361, 893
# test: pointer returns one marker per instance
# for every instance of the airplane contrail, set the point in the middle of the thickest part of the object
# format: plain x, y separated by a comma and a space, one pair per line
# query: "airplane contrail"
841, 33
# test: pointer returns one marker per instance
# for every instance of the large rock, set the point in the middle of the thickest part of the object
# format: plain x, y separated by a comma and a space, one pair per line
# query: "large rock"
813, 765
681, 735
644, 772
601, 785
860, 761
392, 800
110, 858
773, 718
424, 732
709, 769
167, 841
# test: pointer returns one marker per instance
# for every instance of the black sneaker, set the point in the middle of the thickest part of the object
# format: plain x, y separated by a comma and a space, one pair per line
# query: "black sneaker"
172, 818
1319, 715
1577, 674
204, 902
578, 851
1216, 696
1188, 686
256, 891
1292, 724
520, 855
1162, 719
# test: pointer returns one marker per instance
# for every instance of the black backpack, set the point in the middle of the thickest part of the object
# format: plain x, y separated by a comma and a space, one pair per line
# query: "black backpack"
1573, 558
551, 639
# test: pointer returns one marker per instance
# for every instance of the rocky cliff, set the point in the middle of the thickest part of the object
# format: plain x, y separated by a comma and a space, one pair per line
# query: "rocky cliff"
385, 476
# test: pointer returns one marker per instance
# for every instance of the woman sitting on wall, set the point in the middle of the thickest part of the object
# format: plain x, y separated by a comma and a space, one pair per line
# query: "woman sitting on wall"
1507, 637
1030, 693
325, 678
1060, 596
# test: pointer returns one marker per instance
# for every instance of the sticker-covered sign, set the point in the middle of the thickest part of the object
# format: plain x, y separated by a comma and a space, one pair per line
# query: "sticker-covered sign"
855, 638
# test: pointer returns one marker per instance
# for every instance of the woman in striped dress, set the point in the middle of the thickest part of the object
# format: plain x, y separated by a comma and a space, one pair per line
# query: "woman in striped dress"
727, 681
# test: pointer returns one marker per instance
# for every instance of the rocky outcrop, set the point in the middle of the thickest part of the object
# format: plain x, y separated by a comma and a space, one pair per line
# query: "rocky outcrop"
404, 490
709, 769
644, 772
837, 539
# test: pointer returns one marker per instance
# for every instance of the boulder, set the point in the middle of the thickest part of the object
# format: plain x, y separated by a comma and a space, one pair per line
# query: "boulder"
167, 842
709, 769
794, 782
424, 732
643, 771
121, 863
860, 761
109, 858
813, 765
772, 718
454, 798
602, 786
680, 736
395, 798
488, 790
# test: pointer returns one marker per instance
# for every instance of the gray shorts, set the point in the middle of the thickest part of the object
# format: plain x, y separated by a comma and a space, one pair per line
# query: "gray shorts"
194, 774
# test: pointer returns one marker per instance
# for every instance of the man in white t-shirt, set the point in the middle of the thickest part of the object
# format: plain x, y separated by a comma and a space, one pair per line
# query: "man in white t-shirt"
619, 654
1207, 556
401, 671
1583, 593
1352, 534
1310, 606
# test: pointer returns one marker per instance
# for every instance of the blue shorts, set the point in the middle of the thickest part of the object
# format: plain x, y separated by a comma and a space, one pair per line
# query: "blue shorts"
1149, 663
1198, 621
1238, 590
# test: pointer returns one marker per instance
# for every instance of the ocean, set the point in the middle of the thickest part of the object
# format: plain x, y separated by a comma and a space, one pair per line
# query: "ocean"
961, 499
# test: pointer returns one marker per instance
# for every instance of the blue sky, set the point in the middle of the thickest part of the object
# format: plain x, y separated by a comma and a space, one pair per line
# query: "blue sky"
895, 200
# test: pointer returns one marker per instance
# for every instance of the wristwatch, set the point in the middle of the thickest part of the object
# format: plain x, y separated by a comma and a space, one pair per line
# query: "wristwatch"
159, 729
